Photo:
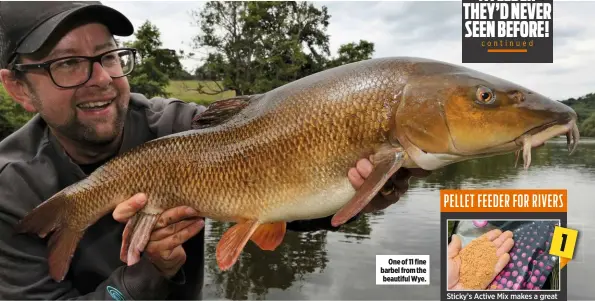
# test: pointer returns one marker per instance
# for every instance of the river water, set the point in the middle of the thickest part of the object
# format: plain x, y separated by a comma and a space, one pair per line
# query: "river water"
341, 265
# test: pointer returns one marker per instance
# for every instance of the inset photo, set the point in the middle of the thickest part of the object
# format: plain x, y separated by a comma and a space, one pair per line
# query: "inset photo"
501, 255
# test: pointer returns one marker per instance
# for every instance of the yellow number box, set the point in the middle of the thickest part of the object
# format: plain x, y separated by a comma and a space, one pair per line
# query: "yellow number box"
563, 244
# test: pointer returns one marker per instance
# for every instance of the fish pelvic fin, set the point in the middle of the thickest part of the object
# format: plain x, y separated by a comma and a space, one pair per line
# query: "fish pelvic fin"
48, 217
136, 236
233, 242
386, 162
269, 236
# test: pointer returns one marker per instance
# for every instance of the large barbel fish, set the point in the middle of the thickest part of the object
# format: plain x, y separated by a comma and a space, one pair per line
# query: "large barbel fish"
285, 155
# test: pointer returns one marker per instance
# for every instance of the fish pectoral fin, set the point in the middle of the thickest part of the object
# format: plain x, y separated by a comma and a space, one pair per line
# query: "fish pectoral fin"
126, 237
233, 242
386, 164
136, 236
269, 236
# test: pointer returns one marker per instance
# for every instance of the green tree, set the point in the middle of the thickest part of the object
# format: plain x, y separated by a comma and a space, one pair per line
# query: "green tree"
587, 127
584, 107
253, 47
154, 66
353, 52
12, 115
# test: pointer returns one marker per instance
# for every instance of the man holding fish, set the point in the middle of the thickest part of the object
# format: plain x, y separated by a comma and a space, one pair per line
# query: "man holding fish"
57, 59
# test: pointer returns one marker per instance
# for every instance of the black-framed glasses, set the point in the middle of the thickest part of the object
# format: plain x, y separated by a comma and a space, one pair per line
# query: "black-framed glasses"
73, 71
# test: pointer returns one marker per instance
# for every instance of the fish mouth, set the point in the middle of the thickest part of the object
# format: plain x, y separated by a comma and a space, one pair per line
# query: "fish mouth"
539, 135
532, 138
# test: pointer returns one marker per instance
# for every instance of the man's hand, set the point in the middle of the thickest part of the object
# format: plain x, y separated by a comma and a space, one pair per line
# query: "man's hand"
503, 243
174, 227
395, 187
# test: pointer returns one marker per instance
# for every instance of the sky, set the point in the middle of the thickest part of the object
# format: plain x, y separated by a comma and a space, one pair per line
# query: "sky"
407, 28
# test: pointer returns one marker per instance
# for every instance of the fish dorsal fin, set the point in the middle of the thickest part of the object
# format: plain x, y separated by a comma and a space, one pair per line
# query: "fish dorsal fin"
220, 111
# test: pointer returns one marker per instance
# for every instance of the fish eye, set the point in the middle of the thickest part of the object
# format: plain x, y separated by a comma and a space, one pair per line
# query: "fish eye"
484, 95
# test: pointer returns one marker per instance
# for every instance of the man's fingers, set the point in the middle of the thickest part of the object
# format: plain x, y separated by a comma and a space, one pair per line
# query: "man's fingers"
492, 235
169, 261
173, 241
171, 229
169, 256
500, 265
453, 270
172, 259
364, 167
502, 238
505, 247
175, 256
355, 178
175, 215
458, 287
455, 246
130, 207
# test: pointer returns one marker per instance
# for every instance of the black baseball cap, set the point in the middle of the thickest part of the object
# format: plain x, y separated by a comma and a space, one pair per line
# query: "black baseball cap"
26, 25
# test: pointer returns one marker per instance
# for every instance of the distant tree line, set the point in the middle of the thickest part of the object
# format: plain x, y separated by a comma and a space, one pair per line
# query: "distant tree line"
585, 109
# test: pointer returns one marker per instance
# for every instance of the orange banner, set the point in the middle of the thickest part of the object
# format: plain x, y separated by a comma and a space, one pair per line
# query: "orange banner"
504, 200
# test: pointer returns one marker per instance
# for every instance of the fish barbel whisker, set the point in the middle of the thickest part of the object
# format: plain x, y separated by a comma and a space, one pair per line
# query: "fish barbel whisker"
527, 151
528, 141
572, 137
517, 155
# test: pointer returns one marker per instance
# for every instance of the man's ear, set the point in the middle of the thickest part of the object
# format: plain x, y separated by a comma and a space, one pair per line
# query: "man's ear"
18, 90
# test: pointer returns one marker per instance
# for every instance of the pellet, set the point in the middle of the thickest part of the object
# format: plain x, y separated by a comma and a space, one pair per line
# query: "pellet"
478, 260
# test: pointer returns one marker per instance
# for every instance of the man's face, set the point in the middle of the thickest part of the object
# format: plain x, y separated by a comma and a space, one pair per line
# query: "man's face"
64, 109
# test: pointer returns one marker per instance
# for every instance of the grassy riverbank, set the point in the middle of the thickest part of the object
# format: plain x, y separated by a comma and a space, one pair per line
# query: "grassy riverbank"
187, 90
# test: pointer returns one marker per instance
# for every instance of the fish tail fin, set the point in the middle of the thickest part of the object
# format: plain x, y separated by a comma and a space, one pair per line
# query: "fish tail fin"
48, 217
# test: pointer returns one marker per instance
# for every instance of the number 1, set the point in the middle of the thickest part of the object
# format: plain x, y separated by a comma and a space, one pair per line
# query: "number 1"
564, 235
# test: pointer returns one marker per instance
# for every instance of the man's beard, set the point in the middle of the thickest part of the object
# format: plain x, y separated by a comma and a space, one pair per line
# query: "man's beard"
87, 134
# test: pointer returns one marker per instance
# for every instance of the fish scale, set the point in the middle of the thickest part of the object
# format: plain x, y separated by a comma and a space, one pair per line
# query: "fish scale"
284, 155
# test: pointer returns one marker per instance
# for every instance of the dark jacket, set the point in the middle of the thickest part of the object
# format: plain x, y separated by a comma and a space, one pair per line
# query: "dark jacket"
33, 166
